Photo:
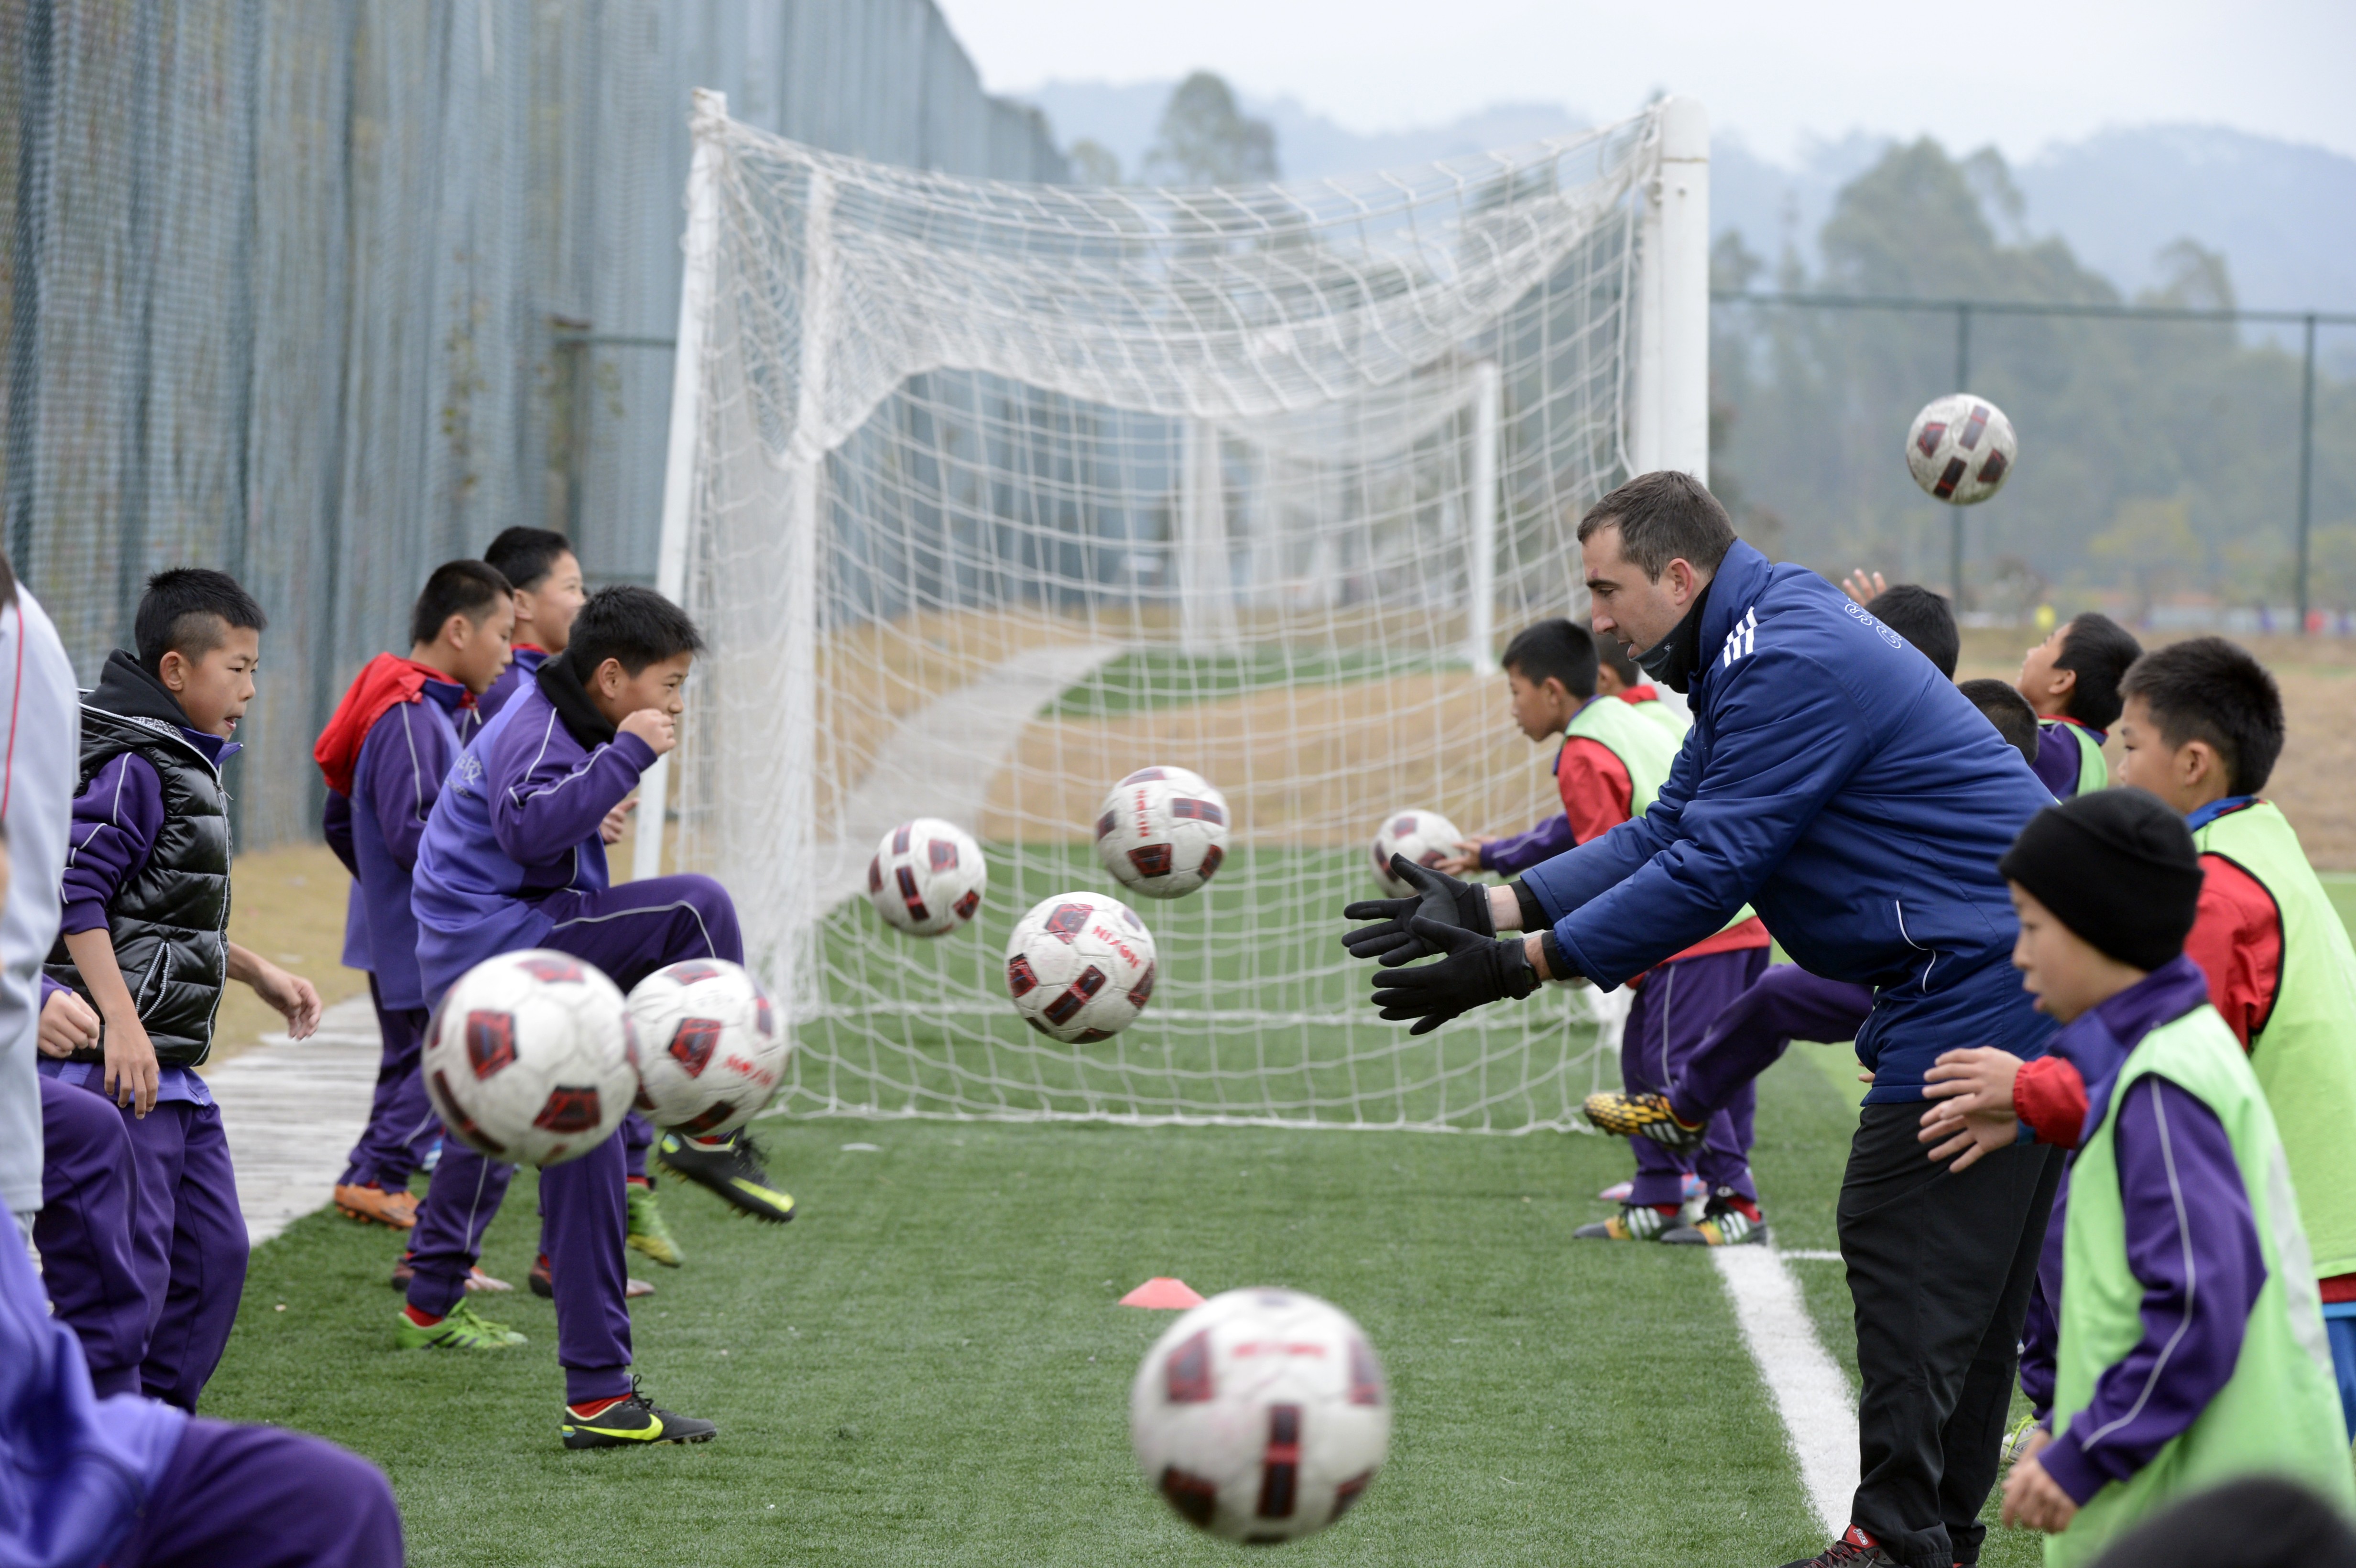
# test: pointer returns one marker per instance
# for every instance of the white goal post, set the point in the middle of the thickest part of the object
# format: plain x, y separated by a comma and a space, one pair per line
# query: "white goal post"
986, 495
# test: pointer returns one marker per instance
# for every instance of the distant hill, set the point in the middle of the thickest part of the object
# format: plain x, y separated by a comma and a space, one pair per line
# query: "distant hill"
2283, 214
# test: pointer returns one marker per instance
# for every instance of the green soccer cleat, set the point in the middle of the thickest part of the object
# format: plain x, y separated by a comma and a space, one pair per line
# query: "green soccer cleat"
634, 1422
648, 1234
1634, 1222
2016, 1442
732, 1169
1644, 1116
1721, 1224
463, 1329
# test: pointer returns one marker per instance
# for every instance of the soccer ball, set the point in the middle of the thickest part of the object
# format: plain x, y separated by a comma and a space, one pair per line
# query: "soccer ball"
1162, 832
1423, 837
1080, 967
1261, 1416
927, 877
529, 1057
710, 1055
1961, 449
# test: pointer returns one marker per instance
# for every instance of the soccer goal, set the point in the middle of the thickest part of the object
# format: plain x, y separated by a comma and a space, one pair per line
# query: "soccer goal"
988, 494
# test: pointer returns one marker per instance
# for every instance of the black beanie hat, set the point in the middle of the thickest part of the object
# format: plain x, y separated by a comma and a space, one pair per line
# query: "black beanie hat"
2117, 868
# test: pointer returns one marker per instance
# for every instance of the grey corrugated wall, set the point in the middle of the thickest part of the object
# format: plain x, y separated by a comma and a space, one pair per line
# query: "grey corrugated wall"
326, 291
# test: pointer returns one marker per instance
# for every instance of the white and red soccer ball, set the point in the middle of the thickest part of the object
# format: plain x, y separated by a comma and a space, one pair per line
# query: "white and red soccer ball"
1261, 1416
1961, 449
1162, 832
1425, 837
1080, 967
529, 1057
927, 877
710, 1052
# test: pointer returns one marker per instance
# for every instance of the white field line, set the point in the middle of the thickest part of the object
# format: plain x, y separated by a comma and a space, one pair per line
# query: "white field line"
1811, 1396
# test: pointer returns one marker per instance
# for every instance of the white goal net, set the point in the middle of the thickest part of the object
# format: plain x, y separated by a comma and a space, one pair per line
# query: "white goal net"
988, 494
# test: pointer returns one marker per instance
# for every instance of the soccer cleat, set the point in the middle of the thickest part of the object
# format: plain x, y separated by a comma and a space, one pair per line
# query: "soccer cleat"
1854, 1548
1723, 1223
463, 1329
1644, 1115
2016, 1441
372, 1205
632, 1422
543, 1283
1634, 1222
730, 1168
648, 1234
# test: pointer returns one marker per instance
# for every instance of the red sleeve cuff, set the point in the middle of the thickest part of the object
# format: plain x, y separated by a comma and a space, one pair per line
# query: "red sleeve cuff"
2049, 1096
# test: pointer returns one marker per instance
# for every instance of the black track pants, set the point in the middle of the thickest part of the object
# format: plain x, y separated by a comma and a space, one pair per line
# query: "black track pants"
1939, 1269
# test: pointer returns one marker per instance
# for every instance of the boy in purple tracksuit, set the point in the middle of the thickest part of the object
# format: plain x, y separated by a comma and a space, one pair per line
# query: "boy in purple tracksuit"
384, 755
145, 944
541, 566
512, 858
87, 1478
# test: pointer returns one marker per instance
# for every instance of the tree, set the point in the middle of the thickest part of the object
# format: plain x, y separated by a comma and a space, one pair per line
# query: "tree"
1206, 139
1095, 163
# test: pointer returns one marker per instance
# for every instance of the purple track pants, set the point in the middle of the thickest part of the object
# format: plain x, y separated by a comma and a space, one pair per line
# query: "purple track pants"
401, 1124
629, 933
89, 1209
1672, 1011
1787, 1003
260, 1497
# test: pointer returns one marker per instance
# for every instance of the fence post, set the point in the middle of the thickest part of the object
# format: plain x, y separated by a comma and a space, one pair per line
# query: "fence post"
2306, 467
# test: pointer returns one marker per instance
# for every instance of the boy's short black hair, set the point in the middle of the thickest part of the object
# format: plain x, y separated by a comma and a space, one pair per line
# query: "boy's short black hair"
1922, 617
2257, 1522
2100, 650
1664, 515
468, 588
186, 609
2006, 708
1554, 650
2206, 688
635, 626
1624, 664
526, 556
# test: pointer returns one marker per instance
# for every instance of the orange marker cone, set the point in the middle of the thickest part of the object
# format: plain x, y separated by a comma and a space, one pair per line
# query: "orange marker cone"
1162, 1295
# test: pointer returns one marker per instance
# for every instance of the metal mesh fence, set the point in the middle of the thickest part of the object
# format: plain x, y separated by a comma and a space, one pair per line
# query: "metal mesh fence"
323, 292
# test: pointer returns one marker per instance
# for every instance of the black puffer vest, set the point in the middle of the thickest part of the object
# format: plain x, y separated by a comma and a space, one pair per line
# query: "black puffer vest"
169, 920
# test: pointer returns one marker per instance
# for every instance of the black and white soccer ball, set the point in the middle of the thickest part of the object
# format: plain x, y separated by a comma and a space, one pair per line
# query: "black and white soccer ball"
927, 877
1961, 449
1423, 837
1162, 832
1261, 1416
529, 1057
1080, 967
711, 1053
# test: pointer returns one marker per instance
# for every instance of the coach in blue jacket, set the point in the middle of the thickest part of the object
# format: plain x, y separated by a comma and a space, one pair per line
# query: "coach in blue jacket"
1841, 786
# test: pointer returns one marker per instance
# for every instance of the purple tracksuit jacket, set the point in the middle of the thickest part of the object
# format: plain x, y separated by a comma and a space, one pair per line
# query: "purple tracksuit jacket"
2056, 763
518, 676
1518, 852
2200, 1279
402, 762
517, 820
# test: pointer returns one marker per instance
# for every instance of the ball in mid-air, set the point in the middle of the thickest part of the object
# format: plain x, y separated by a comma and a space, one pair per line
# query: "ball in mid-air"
1423, 837
927, 877
1162, 831
529, 1057
1961, 449
1261, 1416
1080, 967
710, 1055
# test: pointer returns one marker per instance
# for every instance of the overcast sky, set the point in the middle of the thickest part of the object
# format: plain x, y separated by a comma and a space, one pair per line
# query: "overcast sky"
2019, 73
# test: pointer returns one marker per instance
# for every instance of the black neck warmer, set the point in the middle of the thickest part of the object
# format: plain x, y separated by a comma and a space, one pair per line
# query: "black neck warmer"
565, 693
1673, 660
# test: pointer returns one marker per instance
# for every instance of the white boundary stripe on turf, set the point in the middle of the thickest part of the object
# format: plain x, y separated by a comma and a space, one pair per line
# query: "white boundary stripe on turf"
291, 1111
1811, 1396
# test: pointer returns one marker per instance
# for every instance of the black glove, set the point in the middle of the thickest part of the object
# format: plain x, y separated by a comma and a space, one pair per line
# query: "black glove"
1437, 896
1477, 970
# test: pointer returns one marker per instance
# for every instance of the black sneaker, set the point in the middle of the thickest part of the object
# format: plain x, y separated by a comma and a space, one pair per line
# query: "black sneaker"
730, 1168
1854, 1548
633, 1422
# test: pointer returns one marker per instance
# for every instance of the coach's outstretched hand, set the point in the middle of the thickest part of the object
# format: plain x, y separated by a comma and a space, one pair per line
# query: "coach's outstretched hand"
1438, 897
1477, 970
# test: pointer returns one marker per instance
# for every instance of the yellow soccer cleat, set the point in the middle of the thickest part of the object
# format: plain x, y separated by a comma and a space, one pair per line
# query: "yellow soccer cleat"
1644, 1116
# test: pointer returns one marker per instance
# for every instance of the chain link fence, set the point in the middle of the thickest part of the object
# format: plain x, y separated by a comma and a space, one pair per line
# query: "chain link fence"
323, 292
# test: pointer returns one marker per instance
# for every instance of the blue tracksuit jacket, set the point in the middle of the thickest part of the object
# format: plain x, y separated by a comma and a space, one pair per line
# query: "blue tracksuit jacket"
1841, 786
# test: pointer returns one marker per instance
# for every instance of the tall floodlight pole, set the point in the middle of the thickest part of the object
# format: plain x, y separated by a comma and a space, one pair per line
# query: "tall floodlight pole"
2306, 467
1954, 512
1669, 425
